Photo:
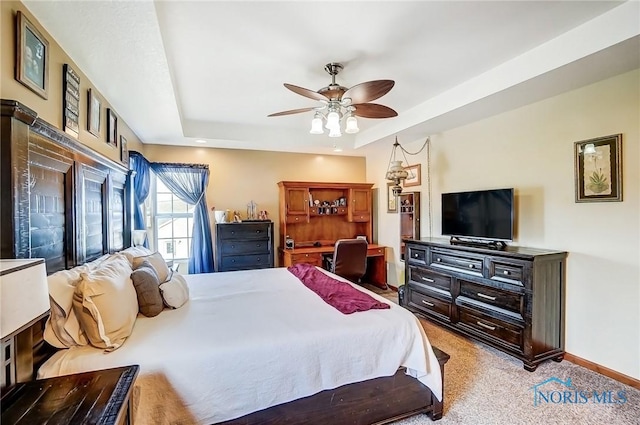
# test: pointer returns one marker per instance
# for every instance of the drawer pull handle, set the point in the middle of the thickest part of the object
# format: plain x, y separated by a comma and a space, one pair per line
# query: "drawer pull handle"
438, 260
506, 272
487, 297
415, 255
257, 231
428, 280
484, 325
427, 303
471, 266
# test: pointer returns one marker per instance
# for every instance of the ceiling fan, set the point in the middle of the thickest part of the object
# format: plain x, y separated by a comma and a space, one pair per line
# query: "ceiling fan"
342, 103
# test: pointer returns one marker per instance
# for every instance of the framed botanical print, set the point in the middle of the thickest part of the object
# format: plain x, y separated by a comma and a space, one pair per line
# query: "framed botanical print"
124, 151
32, 56
598, 169
392, 199
414, 178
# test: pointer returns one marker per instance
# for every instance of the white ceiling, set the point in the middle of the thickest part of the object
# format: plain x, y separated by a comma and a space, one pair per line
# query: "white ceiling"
177, 71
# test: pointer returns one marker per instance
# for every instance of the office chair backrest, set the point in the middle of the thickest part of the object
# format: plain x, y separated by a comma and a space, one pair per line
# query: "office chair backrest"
350, 258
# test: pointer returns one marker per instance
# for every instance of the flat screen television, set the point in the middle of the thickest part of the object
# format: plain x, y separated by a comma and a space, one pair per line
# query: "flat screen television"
478, 214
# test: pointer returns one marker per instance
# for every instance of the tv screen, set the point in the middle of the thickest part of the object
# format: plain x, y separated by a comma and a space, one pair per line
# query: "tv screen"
482, 214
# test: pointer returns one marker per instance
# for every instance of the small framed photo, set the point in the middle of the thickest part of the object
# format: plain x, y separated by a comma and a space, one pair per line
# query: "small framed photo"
112, 128
598, 169
124, 151
414, 176
392, 199
32, 57
94, 107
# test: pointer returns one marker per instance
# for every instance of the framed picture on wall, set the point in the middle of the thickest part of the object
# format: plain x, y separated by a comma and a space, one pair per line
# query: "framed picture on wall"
112, 128
392, 199
414, 176
124, 151
32, 56
93, 113
598, 169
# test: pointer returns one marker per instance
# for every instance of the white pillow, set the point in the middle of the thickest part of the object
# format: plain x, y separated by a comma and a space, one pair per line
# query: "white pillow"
175, 292
62, 329
158, 264
106, 303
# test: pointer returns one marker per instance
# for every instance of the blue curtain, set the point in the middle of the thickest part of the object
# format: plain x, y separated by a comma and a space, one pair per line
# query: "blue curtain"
189, 182
141, 180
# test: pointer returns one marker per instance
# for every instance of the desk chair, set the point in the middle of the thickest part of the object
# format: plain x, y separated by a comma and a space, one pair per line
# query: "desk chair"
349, 259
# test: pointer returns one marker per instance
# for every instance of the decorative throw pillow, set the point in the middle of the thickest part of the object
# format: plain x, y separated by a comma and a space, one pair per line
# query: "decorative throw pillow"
106, 303
147, 285
175, 292
158, 264
62, 329
135, 251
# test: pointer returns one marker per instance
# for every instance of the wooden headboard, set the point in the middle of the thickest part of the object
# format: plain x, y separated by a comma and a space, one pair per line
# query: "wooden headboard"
61, 200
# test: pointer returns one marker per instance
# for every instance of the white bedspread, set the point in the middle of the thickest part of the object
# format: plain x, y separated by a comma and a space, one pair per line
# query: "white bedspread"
253, 339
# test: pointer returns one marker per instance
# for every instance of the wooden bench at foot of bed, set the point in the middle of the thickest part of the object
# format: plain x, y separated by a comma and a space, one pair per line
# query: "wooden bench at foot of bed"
376, 401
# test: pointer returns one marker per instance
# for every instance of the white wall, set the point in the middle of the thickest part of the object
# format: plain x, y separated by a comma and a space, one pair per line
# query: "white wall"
531, 150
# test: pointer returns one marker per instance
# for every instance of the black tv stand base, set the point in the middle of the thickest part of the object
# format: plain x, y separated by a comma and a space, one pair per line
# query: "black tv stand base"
478, 243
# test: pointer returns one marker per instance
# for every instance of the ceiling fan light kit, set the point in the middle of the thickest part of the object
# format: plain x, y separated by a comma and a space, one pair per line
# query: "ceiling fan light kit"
341, 105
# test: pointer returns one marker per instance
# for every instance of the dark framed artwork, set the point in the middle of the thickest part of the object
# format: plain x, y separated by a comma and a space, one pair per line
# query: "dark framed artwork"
414, 178
112, 128
70, 100
124, 151
392, 199
598, 169
94, 107
32, 57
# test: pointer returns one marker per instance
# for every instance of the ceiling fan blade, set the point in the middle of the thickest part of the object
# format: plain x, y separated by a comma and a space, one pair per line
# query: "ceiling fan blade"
305, 92
366, 92
373, 110
292, 111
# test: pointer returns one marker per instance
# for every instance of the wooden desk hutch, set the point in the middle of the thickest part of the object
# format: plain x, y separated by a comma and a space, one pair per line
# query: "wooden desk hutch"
315, 215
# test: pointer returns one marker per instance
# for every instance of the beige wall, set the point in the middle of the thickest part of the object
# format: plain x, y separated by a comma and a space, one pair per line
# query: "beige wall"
531, 150
240, 176
50, 109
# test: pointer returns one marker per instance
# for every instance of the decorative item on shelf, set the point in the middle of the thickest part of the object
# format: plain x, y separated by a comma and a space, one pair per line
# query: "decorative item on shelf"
138, 237
263, 215
32, 56
289, 243
341, 105
252, 209
24, 293
398, 174
598, 169
236, 217
70, 100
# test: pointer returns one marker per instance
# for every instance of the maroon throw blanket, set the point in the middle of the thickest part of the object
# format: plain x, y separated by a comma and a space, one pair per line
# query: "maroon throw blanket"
340, 295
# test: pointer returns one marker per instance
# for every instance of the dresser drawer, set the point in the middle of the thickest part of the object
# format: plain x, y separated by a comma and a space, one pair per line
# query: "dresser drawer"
309, 258
245, 262
427, 277
492, 298
430, 305
507, 271
417, 254
457, 261
244, 231
495, 329
258, 246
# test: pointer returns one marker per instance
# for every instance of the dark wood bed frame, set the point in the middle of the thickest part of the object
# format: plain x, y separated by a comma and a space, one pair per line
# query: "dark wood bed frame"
72, 175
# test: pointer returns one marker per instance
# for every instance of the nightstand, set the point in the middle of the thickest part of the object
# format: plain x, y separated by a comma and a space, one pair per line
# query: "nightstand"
100, 397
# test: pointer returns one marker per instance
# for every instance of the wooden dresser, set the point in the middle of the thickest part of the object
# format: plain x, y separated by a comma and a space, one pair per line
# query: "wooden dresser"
244, 246
512, 299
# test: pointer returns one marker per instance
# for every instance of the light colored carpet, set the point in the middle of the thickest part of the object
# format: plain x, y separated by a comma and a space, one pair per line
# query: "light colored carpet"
485, 386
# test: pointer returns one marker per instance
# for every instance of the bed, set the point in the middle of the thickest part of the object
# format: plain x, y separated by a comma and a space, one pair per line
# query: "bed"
249, 340
368, 385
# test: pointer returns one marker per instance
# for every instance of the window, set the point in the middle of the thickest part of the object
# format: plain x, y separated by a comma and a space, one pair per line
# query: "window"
172, 223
